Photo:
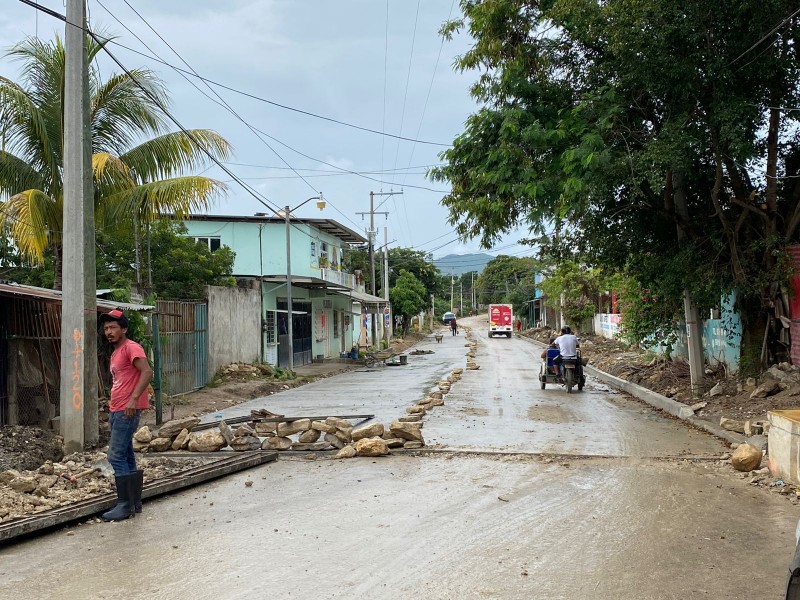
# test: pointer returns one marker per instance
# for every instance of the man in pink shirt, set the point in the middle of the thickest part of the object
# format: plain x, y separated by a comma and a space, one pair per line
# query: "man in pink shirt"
130, 375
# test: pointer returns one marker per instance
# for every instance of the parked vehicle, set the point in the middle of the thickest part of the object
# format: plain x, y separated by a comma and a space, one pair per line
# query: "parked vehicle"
448, 316
572, 376
501, 320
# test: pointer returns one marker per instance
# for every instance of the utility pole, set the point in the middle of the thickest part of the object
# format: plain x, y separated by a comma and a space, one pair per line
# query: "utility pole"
694, 338
452, 283
461, 301
433, 310
371, 237
78, 420
472, 288
387, 328
289, 306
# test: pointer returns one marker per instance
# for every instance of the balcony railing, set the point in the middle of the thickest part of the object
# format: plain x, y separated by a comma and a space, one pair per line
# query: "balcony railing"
342, 278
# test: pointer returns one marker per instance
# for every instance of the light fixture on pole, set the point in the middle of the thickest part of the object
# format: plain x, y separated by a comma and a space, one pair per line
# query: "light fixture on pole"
287, 216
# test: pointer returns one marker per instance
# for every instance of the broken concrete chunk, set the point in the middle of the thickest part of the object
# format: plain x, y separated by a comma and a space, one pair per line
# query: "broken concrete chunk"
373, 446
243, 443
413, 445
265, 428
339, 423
172, 428
143, 435
226, 432
292, 427
746, 458
717, 390
768, 388
160, 444
309, 436
311, 447
182, 441
753, 428
207, 441
407, 431
346, 452
323, 426
731, 425
395, 442
368, 430
277, 443
23, 485
334, 441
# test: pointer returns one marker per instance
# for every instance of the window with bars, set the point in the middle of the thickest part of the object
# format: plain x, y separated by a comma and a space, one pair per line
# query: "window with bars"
269, 326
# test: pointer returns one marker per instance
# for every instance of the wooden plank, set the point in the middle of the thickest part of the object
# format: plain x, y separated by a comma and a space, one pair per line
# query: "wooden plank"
165, 485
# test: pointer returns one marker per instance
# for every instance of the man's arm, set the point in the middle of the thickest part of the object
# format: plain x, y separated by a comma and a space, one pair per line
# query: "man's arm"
145, 377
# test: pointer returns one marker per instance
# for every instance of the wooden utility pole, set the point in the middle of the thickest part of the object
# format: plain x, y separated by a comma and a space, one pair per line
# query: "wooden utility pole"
78, 419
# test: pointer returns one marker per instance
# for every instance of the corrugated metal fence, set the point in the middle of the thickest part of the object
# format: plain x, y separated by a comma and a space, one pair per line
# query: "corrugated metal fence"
183, 332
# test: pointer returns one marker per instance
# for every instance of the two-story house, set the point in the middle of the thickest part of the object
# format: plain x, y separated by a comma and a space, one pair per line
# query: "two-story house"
331, 310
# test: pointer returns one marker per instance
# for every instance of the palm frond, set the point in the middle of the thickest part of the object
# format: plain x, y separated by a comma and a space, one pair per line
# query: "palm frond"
111, 175
34, 220
16, 175
175, 153
122, 111
24, 127
179, 196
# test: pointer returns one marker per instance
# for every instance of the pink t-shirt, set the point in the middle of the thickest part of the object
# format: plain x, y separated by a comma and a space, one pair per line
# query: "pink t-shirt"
125, 376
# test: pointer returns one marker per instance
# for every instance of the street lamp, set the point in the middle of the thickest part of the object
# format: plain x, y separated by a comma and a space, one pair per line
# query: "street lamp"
286, 215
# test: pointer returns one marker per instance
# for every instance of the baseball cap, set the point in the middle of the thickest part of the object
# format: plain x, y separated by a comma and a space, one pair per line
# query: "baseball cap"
114, 315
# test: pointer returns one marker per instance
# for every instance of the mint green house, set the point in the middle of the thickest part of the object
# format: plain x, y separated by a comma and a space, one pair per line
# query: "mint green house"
331, 311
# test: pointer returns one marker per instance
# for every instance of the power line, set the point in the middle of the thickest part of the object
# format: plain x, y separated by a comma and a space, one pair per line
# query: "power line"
223, 86
363, 171
765, 36
221, 101
403, 116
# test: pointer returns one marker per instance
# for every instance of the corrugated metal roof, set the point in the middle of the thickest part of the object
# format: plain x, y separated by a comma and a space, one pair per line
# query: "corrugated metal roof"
30, 291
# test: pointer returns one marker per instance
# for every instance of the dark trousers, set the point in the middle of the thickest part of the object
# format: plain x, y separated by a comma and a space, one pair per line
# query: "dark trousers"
120, 446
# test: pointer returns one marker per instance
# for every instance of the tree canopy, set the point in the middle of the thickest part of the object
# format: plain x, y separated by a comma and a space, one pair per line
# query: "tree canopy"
609, 126
408, 297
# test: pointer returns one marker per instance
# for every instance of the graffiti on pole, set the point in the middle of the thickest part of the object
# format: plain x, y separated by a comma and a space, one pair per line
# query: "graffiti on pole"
77, 370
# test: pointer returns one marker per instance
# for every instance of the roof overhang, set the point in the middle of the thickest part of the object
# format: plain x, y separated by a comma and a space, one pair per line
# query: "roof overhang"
372, 303
47, 295
310, 283
328, 226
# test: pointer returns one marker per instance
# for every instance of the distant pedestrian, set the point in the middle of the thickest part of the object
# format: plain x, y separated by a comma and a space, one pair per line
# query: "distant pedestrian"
130, 375
519, 326
454, 326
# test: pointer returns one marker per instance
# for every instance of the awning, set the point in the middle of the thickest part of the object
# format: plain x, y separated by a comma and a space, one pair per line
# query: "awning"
373, 303
30, 291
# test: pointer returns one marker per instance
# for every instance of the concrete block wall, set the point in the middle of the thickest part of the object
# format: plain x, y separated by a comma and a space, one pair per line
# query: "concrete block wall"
234, 325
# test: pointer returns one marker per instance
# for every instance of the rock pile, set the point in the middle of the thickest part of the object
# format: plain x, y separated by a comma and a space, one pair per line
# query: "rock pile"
70, 480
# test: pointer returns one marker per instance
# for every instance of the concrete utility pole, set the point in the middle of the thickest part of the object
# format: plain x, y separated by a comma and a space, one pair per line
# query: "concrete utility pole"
78, 420
694, 338
371, 237
472, 288
452, 292
433, 310
461, 300
387, 328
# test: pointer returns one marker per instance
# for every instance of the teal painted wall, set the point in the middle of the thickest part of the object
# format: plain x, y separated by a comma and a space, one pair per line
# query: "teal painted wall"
243, 238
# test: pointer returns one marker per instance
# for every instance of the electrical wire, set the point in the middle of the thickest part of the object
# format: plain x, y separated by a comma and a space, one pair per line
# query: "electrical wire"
765, 36
39, 7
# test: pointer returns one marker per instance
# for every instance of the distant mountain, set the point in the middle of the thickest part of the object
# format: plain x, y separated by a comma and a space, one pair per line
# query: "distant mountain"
458, 264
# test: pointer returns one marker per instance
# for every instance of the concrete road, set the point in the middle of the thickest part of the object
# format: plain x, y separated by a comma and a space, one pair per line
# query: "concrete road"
627, 516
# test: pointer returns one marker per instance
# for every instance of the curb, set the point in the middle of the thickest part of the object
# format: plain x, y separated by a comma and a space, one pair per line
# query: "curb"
656, 400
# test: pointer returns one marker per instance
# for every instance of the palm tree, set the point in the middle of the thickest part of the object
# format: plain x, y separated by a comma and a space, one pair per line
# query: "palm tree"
134, 180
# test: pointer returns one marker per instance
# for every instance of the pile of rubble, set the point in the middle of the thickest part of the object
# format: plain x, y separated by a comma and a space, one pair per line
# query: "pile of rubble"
334, 433
472, 346
74, 478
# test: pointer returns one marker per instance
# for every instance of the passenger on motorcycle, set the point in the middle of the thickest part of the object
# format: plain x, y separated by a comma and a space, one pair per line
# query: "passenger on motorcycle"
567, 344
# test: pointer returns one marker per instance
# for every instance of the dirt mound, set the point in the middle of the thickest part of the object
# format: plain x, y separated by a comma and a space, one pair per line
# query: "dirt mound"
28, 447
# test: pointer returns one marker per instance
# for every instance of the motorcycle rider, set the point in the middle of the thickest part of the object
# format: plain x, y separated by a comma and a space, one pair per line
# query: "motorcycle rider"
567, 344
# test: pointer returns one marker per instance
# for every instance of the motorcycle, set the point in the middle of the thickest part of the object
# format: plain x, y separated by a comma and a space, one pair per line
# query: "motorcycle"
567, 372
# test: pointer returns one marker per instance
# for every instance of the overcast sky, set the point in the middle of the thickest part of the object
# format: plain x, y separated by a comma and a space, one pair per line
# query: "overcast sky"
319, 56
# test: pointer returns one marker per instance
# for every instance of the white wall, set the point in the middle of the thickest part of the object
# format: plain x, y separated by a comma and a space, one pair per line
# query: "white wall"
234, 326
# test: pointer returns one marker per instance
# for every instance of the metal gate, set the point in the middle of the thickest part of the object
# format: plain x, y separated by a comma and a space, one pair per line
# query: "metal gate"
183, 332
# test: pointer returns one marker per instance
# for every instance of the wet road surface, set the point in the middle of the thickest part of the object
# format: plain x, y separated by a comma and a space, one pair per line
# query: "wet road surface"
617, 524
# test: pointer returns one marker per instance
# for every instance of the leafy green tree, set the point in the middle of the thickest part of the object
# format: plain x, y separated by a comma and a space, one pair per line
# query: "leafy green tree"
182, 268
139, 167
616, 124
417, 262
408, 297
502, 276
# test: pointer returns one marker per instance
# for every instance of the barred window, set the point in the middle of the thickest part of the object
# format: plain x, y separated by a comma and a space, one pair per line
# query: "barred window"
269, 326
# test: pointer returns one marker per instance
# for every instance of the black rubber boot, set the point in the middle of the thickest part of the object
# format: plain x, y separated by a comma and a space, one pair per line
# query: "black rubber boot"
124, 508
138, 482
